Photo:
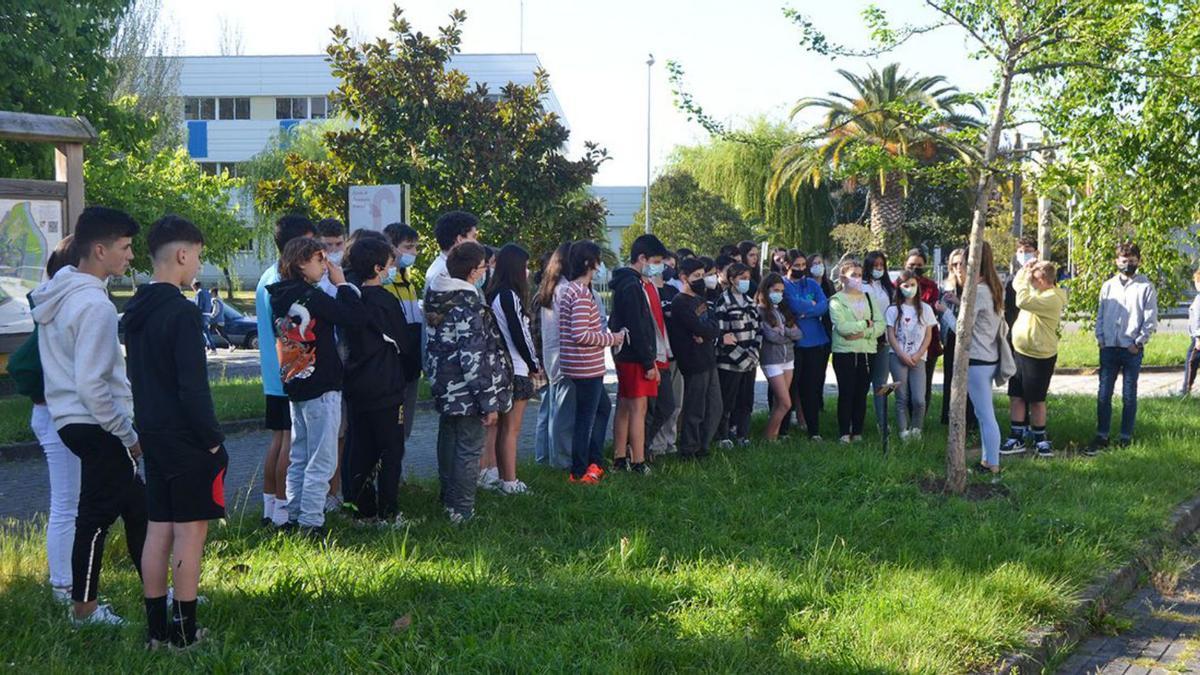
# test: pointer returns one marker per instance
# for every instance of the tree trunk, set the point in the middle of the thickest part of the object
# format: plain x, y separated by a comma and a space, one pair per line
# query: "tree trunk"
956, 467
887, 213
228, 280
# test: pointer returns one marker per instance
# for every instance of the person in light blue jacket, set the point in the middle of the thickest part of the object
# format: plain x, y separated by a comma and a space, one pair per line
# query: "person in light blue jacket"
809, 305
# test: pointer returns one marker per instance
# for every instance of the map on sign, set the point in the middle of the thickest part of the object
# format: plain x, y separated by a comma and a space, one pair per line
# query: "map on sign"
29, 231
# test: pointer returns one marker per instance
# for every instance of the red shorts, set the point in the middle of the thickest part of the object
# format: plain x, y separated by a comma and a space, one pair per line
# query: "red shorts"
632, 382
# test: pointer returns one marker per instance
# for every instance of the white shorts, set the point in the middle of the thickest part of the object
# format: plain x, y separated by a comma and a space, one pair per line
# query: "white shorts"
777, 369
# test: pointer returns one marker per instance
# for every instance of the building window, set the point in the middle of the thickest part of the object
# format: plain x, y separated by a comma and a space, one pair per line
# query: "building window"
234, 108
215, 168
319, 107
291, 108
204, 108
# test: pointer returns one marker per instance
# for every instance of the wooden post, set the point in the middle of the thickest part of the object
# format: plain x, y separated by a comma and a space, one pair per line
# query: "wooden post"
68, 168
1018, 188
1044, 204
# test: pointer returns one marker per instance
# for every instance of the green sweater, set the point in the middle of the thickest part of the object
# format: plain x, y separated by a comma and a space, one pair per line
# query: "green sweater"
847, 320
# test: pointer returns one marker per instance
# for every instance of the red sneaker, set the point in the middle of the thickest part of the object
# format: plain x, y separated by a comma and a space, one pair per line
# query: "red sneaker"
587, 479
595, 471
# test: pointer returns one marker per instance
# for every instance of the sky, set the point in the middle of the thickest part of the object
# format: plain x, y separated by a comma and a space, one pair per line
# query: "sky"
742, 58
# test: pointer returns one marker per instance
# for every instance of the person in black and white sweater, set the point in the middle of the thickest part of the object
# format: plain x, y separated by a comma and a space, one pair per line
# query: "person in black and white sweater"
508, 295
736, 363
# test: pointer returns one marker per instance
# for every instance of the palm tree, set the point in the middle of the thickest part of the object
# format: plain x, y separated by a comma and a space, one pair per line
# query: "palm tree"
887, 126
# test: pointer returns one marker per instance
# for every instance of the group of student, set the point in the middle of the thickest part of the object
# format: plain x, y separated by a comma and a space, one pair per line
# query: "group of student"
354, 331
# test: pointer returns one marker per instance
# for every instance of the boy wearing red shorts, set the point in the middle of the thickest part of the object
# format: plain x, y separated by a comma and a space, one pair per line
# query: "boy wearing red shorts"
637, 310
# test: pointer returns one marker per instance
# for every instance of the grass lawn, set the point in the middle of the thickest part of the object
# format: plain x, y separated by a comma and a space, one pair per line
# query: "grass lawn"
1077, 349
234, 399
786, 558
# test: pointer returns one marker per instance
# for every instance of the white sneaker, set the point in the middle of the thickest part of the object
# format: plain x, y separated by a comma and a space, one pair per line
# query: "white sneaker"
200, 599
915, 434
513, 487
103, 616
904, 434
332, 503
489, 479
400, 522
856, 438
725, 444
845, 440
62, 594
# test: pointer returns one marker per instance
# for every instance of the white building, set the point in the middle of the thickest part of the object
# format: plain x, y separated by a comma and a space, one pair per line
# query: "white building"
234, 105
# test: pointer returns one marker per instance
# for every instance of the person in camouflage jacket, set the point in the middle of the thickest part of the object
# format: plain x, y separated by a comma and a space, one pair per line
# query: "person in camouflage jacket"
469, 372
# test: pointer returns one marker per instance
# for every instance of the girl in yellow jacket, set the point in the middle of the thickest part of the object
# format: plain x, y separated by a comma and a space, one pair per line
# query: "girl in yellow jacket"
1035, 337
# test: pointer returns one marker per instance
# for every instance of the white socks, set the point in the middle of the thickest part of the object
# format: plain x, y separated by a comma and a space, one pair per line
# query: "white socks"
269, 506
280, 517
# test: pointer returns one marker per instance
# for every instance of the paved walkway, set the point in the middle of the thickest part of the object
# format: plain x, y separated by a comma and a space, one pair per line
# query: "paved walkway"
1164, 635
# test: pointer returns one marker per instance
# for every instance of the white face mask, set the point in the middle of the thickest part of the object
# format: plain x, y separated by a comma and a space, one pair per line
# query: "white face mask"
600, 274
710, 282
1024, 258
335, 257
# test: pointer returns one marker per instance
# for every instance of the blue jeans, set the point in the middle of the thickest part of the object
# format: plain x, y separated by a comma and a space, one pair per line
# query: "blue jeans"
1114, 361
979, 390
591, 423
556, 418
314, 457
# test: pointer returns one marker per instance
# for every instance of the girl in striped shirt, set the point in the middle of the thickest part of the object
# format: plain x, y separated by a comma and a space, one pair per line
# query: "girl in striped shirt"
582, 340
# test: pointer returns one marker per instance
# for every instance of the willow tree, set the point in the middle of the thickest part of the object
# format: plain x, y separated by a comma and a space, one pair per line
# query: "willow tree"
738, 168
1116, 72
877, 134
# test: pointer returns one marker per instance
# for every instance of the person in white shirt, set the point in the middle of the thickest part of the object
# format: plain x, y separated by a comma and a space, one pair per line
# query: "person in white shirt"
451, 228
909, 333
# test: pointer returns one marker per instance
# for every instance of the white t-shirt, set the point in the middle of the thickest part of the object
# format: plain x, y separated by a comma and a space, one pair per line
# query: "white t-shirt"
910, 329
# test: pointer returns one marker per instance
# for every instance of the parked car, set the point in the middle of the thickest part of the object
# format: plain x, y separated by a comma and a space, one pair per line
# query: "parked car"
242, 330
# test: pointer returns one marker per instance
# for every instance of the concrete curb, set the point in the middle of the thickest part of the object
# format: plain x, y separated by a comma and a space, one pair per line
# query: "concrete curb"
1043, 643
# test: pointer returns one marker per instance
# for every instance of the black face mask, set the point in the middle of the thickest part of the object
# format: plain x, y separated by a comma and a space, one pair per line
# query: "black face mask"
668, 273
1128, 269
698, 286
918, 270
796, 274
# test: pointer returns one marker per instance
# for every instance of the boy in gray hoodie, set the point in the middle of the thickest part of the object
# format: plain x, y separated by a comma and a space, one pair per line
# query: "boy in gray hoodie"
89, 399
1126, 320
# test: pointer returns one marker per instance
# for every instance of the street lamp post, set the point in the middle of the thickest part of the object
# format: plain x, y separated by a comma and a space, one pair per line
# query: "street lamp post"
649, 71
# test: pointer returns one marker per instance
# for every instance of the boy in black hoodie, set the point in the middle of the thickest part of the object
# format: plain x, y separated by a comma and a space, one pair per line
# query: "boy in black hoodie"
311, 371
694, 332
181, 440
375, 379
637, 310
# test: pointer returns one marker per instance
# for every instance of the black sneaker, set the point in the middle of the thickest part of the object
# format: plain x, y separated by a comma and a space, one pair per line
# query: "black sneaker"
621, 464
1098, 445
643, 468
313, 532
1124, 442
288, 527
979, 468
1045, 450
1013, 446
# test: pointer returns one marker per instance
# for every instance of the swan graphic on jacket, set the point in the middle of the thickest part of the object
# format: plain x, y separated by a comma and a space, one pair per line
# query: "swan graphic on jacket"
303, 317
468, 364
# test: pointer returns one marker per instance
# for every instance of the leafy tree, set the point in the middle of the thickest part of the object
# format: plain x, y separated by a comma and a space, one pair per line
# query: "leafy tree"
303, 141
683, 214
148, 185
1116, 78
738, 167
420, 122
54, 64
876, 135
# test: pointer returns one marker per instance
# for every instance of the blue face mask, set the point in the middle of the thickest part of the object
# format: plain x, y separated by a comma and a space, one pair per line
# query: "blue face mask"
743, 285
600, 274
389, 276
480, 282
776, 297
654, 269
818, 271
406, 260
